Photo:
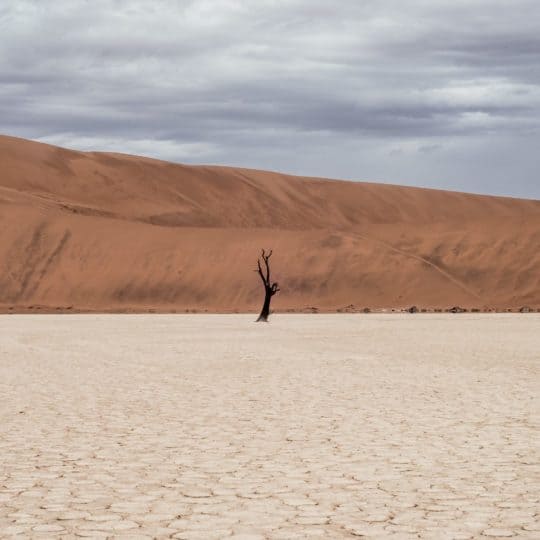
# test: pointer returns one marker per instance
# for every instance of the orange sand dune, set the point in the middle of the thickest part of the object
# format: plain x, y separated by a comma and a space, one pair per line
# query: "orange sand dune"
111, 232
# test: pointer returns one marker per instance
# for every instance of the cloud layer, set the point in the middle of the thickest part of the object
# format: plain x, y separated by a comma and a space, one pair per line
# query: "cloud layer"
439, 93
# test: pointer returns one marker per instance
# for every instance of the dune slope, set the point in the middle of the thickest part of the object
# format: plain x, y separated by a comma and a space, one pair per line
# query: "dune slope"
110, 232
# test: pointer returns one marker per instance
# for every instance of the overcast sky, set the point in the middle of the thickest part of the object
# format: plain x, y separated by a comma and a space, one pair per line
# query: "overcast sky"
437, 93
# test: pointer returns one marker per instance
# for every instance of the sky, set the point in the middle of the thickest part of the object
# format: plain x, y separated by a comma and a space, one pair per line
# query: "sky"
434, 93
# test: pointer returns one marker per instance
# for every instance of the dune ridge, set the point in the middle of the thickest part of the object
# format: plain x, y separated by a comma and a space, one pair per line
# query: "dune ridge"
95, 231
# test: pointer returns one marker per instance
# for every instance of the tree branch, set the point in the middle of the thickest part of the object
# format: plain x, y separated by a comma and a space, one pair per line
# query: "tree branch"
259, 270
266, 257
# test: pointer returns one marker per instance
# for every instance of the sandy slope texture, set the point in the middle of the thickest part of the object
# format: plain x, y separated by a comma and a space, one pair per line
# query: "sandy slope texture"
98, 231
212, 426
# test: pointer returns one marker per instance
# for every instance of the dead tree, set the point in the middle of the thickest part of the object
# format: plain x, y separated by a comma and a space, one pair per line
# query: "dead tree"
269, 289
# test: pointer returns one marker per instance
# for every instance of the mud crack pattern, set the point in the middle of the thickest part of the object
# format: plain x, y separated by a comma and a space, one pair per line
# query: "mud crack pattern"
316, 426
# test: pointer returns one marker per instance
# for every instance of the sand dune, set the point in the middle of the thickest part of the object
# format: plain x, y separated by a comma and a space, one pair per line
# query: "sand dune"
107, 232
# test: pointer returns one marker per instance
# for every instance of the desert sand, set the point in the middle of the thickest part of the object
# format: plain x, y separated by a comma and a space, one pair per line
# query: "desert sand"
212, 426
109, 232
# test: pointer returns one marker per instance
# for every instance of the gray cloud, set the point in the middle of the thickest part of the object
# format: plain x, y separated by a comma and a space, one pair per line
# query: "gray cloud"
440, 93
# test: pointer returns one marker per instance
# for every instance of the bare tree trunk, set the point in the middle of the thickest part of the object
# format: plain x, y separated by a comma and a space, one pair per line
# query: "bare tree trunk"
269, 289
265, 311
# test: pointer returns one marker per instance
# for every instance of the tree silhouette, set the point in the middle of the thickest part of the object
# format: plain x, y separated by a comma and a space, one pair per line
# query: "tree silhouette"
269, 289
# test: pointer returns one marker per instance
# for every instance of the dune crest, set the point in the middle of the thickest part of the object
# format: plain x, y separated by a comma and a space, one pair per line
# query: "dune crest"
111, 232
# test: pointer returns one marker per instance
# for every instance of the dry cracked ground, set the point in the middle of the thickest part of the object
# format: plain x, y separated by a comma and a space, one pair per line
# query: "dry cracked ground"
317, 426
